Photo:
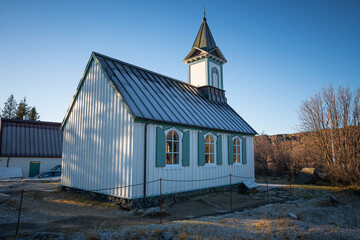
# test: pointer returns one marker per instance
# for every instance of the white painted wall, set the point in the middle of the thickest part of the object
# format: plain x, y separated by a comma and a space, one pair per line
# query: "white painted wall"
24, 163
198, 73
192, 172
99, 139
103, 148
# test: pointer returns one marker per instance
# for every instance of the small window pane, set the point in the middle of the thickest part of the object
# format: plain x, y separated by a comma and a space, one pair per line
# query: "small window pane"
207, 139
211, 139
169, 146
176, 135
169, 135
212, 158
206, 158
168, 158
206, 148
238, 149
176, 158
176, 147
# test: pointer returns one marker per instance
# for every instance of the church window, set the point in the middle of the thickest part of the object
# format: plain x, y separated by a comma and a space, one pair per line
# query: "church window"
237, 149
173, 146
210, 155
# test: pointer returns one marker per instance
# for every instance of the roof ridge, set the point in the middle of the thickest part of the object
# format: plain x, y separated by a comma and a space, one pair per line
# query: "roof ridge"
143, 69
29, 121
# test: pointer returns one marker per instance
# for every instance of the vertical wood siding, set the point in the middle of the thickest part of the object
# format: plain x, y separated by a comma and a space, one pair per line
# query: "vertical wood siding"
98, 140
192, 172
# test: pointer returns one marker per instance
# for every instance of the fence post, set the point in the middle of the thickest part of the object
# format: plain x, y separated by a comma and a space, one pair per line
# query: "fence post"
267, 189
18, 221
160, 201
290, 186
230, 195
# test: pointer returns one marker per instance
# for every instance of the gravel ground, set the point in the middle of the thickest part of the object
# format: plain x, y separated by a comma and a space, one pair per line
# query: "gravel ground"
317, 218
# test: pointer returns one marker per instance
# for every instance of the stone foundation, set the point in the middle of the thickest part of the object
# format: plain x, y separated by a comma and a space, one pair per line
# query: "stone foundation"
151, 201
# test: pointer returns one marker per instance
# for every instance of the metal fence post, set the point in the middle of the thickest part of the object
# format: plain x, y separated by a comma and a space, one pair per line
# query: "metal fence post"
160, 201
267, 188
290, 186
18, 221
230, 195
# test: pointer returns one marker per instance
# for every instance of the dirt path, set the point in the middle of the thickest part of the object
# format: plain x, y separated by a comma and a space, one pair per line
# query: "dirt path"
48, 210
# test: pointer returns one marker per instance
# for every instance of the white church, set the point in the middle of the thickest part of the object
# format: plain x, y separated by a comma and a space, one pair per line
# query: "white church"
127, 127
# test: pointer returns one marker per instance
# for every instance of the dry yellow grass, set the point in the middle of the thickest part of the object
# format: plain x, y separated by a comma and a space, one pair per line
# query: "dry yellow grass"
262, 223
83, 202
313, 187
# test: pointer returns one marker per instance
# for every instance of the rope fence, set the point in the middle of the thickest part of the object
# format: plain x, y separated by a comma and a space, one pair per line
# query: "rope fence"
231, 185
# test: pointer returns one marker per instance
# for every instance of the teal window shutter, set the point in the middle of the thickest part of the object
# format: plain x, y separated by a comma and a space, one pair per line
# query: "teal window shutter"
160, 147
201, 149
230, 150
244, 160
219, 150
186, 149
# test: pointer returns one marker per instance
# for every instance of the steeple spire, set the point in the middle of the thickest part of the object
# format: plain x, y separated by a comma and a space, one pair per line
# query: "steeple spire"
204, 44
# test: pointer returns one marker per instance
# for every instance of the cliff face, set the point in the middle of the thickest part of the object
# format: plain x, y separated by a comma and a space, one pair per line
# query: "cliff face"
278, 138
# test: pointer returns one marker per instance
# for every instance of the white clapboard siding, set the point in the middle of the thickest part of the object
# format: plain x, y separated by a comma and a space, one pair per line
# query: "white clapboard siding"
99, 139
192, 172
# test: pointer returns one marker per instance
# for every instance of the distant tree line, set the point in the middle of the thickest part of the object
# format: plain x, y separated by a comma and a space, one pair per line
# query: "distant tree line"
329, 141
13, 110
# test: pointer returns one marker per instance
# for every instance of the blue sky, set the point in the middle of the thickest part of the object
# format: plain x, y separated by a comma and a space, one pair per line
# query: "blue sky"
279, 52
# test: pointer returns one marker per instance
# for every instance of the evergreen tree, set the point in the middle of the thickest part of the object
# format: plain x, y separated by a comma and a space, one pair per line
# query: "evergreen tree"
23, 109
34, 115
9, 110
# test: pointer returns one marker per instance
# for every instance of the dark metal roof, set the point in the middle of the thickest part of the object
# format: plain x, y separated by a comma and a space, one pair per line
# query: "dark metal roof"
205, 42
204, 39
155, 97
24, 138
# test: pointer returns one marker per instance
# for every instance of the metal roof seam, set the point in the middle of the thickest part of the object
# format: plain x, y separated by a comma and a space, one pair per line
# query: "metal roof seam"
186, 100
181, 103
159, 87
153, 94
143, 95
127, 103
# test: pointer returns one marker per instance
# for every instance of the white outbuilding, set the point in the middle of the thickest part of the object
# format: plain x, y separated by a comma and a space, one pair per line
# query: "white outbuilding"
127, 127
33, 146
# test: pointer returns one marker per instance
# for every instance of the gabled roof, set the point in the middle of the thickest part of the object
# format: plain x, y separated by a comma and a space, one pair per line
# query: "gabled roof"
204, 45
152, 96
24, 138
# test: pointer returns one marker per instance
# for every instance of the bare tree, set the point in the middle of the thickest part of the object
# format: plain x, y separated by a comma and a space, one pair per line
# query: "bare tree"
332, 118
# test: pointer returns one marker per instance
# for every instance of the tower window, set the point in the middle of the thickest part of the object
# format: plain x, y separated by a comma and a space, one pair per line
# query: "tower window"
215, 77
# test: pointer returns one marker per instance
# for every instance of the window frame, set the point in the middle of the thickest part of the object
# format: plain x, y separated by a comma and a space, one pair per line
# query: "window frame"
215, 149
180, 134
215, 82
240, 152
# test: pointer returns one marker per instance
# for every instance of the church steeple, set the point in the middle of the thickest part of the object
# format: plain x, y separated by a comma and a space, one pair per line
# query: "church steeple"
205, 59
204, 39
